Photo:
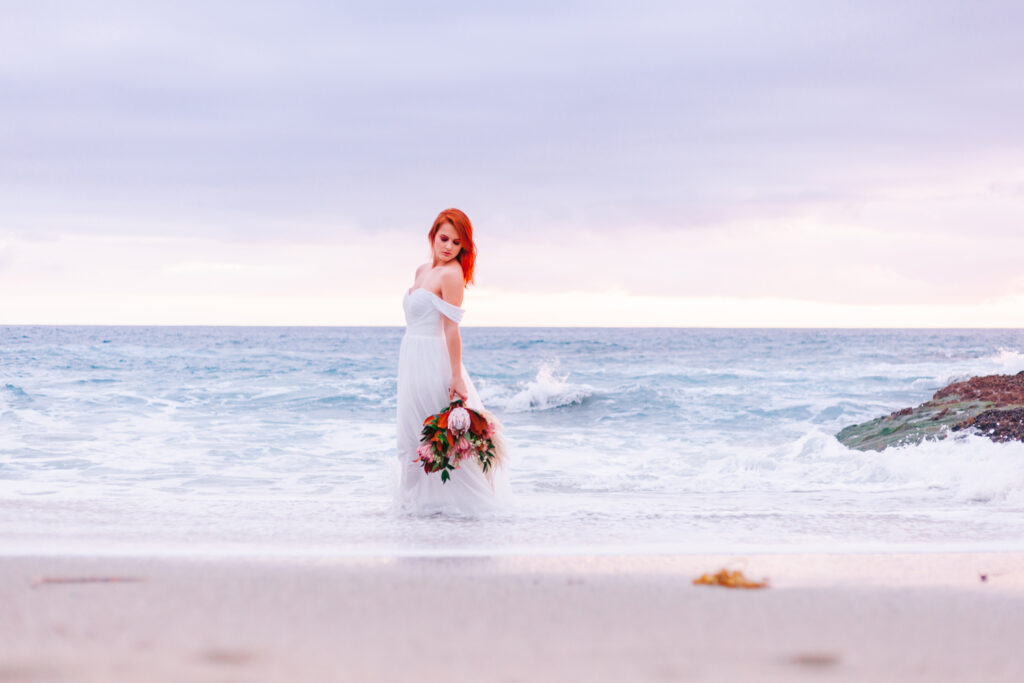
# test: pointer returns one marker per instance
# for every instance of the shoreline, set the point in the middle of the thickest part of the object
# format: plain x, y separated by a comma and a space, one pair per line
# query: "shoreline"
628, 559
897, 616
1003, 570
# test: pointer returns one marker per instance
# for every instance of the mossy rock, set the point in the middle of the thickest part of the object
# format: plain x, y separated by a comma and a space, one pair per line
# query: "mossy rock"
929, 421
952, 408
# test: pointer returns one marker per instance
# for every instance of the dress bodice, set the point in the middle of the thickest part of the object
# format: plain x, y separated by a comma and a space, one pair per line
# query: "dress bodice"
423, 311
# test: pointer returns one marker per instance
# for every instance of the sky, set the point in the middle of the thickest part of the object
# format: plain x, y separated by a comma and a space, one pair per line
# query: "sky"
728, 164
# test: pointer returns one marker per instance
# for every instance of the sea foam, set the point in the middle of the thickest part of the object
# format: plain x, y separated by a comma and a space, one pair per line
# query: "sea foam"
674, 440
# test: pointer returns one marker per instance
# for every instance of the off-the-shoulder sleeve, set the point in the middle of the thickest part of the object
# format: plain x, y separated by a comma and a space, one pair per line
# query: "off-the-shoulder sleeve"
447, 309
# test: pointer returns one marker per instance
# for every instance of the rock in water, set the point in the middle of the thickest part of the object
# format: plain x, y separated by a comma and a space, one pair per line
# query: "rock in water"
993, 406
998, 425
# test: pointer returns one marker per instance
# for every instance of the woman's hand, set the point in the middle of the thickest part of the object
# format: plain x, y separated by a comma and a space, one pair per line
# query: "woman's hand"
457, 386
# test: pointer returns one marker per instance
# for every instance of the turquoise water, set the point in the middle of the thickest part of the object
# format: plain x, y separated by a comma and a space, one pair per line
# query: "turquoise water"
280, 440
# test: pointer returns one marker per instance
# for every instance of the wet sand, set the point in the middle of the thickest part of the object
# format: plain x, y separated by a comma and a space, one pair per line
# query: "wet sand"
905, 617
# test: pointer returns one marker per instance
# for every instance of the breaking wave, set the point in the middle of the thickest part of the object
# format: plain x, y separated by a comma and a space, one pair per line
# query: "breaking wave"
545, 391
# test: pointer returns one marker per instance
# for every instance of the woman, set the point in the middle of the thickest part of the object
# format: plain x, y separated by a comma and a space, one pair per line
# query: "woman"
431, 374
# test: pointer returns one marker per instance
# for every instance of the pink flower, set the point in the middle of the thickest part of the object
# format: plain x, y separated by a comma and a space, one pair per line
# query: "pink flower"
458, 420
425, 453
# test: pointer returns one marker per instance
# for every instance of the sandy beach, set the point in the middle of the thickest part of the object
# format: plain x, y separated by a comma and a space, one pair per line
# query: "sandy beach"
918, 617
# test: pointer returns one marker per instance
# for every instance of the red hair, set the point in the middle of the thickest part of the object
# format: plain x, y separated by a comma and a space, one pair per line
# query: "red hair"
459, 221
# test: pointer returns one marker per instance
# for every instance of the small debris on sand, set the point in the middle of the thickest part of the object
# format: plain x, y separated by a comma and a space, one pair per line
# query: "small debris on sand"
84, 579
728, 579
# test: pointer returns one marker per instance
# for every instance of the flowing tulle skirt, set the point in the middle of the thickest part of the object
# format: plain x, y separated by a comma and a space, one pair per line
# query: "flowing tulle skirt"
424, 373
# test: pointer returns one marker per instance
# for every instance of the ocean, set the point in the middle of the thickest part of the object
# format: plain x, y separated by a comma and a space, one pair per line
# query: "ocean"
280, 441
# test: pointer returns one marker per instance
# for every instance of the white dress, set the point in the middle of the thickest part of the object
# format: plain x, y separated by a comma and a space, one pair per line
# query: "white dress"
424, 375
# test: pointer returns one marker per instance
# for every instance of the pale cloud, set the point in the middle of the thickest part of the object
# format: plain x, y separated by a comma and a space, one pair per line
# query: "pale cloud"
842, 154
617, 308
489, 307
945, 245
111, 265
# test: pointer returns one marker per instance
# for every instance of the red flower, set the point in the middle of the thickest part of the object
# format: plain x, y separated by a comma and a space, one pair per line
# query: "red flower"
477, 424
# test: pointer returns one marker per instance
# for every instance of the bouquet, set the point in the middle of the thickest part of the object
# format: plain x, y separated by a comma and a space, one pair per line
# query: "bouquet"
458, 433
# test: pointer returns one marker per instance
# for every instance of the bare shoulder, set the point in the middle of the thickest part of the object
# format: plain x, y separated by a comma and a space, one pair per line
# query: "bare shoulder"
417, 278
452, 286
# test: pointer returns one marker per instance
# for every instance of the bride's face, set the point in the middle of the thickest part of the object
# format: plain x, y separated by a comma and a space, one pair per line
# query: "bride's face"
447, 244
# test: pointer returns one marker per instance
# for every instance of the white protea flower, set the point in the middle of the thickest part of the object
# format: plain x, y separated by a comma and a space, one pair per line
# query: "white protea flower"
458, 420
